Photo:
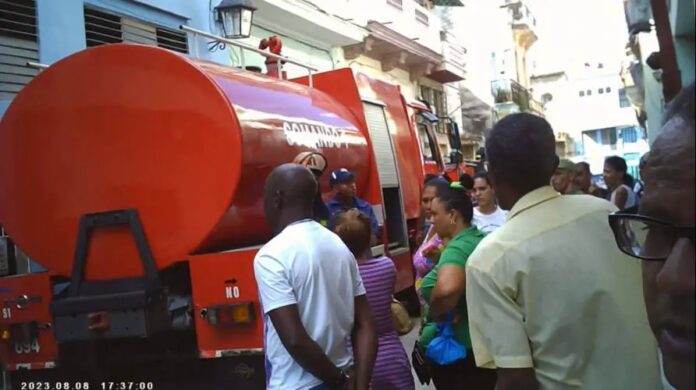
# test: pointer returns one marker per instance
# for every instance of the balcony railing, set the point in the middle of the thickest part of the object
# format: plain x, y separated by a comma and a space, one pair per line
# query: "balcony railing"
510, 91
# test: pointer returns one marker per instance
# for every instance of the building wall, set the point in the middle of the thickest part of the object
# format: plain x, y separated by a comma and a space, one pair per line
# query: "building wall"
595, 109
61, 24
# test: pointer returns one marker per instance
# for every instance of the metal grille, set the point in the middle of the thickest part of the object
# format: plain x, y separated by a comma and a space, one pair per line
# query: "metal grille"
104, 28
18, 45
172, 40
381, 144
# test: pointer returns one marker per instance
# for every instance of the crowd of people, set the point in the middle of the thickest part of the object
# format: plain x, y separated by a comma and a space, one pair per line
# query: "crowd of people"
526, 272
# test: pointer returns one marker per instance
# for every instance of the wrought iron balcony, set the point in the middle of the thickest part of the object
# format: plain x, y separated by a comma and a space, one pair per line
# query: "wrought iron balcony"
508, 91
522, 21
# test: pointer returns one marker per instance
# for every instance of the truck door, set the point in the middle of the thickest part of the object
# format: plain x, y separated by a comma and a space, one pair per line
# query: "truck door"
395, 223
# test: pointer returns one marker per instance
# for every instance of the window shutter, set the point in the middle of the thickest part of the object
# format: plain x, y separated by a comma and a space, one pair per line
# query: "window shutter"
104, 28
18, 45
172, 40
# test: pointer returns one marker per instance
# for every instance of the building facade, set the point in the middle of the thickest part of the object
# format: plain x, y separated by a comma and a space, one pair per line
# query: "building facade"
511, 62
644, 82
400, 41
606, 123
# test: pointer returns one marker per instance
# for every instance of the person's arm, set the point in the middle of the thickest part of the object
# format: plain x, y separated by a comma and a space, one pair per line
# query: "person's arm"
516, 379
364, 343
279, 302
449, 288
306, 352
621, 197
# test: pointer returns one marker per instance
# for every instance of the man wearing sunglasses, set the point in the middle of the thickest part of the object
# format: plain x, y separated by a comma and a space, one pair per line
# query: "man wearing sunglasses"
661, 234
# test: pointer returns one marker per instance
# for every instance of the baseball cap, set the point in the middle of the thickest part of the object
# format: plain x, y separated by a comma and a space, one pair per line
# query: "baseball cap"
315, 161
566, 164
341, 176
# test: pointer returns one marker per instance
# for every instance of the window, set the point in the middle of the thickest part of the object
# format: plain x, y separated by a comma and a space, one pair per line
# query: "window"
426, 143
601, 91
396, 3
103, 28
422, 18
629, 135
438, 104
608, 89
582, 93
589, 92
623, 98
18, 45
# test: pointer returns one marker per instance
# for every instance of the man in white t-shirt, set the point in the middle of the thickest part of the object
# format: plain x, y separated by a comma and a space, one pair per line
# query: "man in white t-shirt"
312, 294
487, 215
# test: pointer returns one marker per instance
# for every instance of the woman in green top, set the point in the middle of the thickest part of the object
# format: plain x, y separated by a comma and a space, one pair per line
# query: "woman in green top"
443, 289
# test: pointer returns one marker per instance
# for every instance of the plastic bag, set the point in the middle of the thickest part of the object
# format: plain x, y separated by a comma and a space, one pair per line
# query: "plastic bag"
444, 349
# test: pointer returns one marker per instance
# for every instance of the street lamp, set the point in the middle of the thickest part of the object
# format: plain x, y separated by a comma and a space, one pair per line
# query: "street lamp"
235, 17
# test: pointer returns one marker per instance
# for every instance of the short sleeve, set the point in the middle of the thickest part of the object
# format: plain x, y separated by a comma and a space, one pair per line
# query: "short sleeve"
454, 255
274, 285
358, 287
496, 323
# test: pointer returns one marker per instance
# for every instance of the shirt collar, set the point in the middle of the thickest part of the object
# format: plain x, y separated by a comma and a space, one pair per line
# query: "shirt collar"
532, 199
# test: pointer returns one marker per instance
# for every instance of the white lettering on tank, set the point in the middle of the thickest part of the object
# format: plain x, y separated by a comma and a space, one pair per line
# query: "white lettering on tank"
313, 135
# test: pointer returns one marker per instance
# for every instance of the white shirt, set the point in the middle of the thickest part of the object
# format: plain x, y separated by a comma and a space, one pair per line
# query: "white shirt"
631, 199
307, 265
487, 223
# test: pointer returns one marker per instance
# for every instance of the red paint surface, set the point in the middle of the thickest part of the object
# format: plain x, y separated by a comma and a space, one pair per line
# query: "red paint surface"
208, 276
34, 286
188, 144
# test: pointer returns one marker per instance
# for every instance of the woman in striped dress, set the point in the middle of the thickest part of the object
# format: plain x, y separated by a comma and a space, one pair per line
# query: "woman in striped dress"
392, 368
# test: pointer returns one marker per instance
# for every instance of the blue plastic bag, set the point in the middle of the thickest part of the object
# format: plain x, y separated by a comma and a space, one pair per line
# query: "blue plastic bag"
444, 349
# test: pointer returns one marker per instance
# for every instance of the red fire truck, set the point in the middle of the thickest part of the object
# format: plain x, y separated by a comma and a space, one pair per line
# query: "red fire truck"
134, 176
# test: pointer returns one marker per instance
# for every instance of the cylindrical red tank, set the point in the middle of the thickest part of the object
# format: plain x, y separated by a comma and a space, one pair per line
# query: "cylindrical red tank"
188, 144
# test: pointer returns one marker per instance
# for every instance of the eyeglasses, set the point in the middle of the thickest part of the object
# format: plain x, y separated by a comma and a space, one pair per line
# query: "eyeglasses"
646, 238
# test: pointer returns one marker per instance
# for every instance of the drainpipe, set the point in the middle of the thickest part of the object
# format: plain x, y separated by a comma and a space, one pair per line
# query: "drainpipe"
671, 76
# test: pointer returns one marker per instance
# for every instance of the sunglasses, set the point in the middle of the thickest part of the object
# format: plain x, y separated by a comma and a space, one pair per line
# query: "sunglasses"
644, 237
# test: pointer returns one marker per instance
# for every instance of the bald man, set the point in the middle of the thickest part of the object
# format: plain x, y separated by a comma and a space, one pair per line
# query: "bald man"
312, 295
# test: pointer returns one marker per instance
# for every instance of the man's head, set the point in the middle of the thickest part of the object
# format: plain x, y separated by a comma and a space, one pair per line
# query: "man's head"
668, 285
521, 155
583, 176
343, 182
562, 179
288, 195
315, 161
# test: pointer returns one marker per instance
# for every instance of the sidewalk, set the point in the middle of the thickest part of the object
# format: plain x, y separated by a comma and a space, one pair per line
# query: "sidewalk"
407, 341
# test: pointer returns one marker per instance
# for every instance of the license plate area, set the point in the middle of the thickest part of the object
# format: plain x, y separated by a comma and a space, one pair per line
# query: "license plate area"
25, 339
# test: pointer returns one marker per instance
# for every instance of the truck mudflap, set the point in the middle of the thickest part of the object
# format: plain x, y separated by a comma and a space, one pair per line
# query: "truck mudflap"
227, 311
26, 334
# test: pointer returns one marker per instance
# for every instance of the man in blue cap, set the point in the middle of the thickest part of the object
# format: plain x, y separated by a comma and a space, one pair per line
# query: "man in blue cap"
343, 182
